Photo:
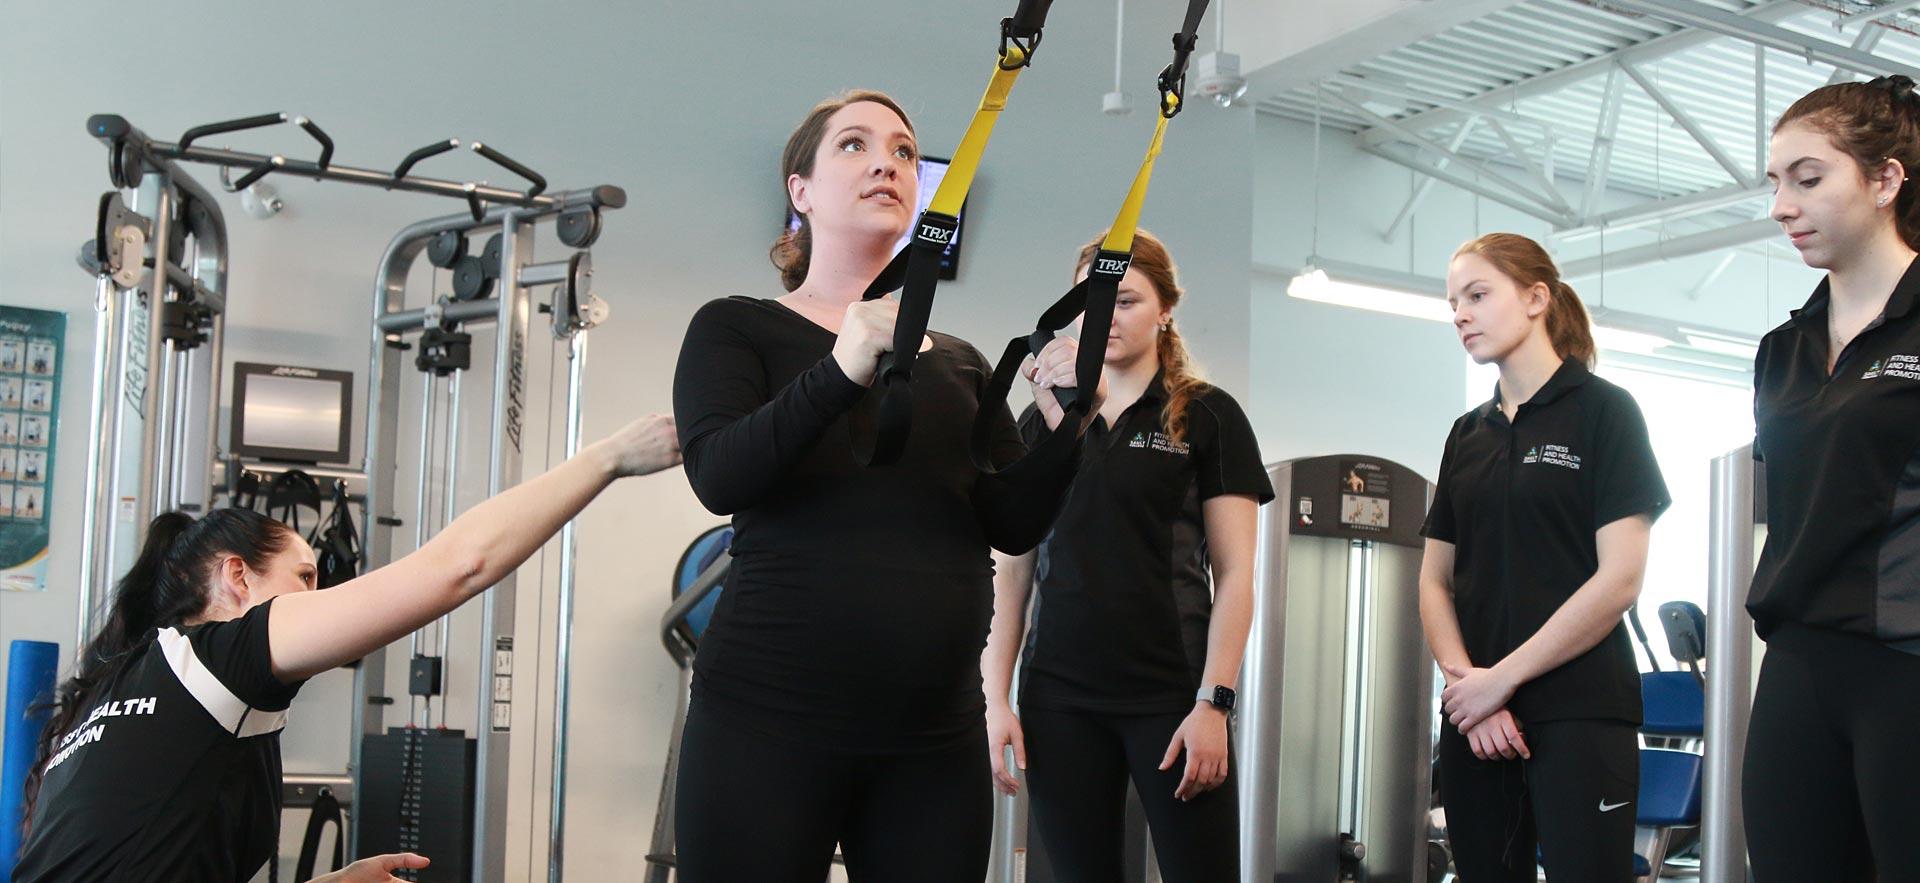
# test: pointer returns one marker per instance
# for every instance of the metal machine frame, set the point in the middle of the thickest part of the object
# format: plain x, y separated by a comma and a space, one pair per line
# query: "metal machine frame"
510, 311
160, 259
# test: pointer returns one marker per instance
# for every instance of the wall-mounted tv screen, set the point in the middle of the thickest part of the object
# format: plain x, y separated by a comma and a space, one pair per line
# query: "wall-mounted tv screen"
290, 413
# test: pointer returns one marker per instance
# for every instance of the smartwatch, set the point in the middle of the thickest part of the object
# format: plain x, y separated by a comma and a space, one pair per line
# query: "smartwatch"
1217, 696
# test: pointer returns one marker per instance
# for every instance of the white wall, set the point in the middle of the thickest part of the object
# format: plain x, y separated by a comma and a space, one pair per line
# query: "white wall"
1329, 378
685, 105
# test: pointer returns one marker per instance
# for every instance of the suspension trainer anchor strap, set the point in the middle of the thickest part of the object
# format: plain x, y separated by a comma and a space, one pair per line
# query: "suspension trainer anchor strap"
915, 271
1094, 297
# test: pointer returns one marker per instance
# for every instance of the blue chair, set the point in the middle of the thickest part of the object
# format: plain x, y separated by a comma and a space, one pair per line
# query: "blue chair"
1670, 784
1669, 799
1675, 705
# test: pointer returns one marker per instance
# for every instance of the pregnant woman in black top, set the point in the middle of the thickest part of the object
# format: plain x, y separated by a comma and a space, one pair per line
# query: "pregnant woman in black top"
837, 694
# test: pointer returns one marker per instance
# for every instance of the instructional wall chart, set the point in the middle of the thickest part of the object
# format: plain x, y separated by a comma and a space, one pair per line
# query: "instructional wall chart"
30, 365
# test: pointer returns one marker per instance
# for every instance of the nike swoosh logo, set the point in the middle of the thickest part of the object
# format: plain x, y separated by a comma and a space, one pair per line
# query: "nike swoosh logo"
1610, 807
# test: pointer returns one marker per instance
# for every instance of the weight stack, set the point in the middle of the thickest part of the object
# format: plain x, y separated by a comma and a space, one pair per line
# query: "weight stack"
417, 796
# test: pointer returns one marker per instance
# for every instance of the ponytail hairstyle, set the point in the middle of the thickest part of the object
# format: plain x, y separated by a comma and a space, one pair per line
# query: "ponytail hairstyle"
1525, 262
1182, 377
168, 584
1873, 122
792, 252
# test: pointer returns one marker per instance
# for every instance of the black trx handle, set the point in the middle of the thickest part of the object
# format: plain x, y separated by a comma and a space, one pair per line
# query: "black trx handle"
916, 269
1095, 296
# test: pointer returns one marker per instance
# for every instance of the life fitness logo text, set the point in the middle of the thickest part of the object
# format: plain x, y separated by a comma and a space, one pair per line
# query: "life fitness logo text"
290, 371
936, 234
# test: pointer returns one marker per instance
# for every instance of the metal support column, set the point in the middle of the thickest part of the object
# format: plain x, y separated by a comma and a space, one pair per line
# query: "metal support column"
563, 651
96, 540
1731, 535
495, 690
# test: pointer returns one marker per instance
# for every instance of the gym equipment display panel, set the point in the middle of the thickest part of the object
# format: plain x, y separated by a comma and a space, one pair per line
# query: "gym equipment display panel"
290, 413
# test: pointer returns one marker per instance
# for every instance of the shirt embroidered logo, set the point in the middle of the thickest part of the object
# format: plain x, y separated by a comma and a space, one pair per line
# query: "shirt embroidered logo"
1610, 807
1553, 455
1159, 441
1901, 366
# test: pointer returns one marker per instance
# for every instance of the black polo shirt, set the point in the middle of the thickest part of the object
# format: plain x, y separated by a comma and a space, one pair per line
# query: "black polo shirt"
1842, 458
1521, 501
1124, 591
172, 772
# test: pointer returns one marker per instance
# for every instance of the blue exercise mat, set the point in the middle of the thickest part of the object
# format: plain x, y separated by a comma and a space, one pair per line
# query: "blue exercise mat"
31, 668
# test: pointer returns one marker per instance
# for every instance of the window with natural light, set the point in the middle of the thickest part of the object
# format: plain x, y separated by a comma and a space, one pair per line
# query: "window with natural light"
1691, 422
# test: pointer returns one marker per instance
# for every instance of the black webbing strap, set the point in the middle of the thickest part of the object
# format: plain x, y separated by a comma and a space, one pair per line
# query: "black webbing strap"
915, 271
326, 808
1095, 296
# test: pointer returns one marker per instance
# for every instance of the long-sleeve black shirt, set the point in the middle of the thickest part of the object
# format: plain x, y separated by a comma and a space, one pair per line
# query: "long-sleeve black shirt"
859, 598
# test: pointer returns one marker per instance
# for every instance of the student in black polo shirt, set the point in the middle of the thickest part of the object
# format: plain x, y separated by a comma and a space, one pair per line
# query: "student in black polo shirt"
1131, 660
162, 759
1536, 545
1833, 744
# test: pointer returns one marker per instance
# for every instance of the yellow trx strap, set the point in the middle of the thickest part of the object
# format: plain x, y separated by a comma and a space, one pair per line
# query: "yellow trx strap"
916, 269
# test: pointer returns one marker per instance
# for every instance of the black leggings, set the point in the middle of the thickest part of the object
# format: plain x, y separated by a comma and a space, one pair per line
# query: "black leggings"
1078, 765
757, 808
1574, 801
1833, 760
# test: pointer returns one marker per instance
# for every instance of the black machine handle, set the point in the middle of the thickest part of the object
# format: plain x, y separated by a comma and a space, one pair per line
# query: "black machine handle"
414, 158
326, 144
262, 121
253, 122
506, 162
254, 174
